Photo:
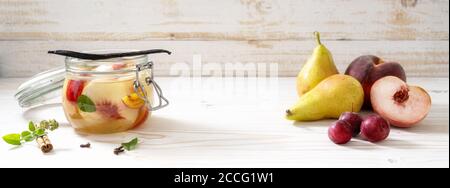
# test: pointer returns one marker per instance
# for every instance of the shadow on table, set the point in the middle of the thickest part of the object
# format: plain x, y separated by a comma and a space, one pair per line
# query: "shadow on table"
360, 144
153, 124
428, 126
154, 128
162, 124
313, 124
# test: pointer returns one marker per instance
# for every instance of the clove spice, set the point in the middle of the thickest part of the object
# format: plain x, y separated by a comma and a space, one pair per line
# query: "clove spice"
119, 150
44, 144
87, 145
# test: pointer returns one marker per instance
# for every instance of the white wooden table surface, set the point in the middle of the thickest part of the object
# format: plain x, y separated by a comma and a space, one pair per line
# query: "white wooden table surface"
213, 128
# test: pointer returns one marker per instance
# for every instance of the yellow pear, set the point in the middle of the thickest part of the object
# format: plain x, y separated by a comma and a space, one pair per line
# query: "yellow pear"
319, 66
332, 97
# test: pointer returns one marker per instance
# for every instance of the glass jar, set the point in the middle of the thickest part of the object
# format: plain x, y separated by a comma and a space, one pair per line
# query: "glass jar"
99, 96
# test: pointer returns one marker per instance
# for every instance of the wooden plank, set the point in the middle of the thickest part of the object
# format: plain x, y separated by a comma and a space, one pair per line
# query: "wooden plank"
206, 129
117, 20
419, 58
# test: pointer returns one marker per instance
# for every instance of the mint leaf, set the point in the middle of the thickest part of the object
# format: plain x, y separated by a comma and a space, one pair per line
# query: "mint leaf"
31, 126
85, 104
25, 133
130, 145
40, 132
27, 136
13, 139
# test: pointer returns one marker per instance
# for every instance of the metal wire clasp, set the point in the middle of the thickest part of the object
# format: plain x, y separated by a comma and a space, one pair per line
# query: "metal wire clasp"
139, 88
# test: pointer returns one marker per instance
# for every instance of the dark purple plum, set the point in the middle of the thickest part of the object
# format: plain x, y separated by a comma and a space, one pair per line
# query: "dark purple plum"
354, 120
340, 132
375, 128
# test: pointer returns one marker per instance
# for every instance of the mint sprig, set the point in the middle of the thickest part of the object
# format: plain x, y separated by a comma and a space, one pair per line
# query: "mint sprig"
34, 131
131, 145
27, 136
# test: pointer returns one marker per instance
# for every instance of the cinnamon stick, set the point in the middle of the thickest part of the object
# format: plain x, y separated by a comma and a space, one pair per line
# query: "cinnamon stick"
44, 144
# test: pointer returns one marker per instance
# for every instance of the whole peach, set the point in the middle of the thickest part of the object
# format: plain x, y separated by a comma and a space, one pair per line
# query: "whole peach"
368, 69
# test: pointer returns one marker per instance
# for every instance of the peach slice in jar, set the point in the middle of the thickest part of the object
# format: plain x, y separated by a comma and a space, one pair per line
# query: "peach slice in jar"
73, 111
133, 101
144, 113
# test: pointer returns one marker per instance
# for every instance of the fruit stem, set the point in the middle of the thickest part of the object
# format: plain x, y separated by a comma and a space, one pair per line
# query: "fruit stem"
288, 113
317, 34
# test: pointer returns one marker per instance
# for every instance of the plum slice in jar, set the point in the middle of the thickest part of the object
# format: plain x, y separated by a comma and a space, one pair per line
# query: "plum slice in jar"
74, 89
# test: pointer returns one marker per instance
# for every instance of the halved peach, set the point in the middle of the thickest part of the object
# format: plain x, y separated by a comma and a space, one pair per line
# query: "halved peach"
402, 105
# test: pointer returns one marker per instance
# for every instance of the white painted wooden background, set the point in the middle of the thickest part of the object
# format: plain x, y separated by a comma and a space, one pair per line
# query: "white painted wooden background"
412, 32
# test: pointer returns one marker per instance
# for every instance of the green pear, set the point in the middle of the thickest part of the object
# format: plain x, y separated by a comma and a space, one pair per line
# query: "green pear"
319, 66
332, 97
